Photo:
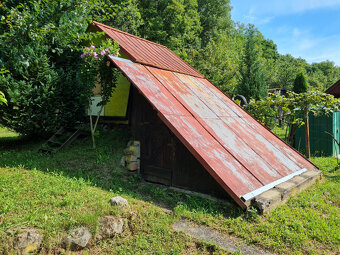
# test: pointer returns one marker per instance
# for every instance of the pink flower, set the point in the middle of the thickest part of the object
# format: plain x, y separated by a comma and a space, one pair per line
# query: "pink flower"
102, 52
95, 54
93, 47
82, 55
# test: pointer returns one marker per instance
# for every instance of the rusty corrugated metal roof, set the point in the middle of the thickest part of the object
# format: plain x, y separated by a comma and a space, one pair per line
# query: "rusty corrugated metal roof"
334, 89
241, 154
146, 52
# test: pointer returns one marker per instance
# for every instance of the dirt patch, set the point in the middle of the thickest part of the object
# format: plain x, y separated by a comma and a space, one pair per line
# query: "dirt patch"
206, 234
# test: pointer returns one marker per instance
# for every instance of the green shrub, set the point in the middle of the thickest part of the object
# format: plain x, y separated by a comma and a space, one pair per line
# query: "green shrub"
39, 42
300, 83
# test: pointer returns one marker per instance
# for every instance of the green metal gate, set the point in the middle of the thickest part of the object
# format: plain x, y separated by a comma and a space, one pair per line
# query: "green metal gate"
320, 130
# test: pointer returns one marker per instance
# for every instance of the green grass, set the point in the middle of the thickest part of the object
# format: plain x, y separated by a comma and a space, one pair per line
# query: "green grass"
8, 135
280, 131
55, 194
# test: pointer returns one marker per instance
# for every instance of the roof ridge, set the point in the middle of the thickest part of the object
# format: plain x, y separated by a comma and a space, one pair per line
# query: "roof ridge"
128, 34
175, 64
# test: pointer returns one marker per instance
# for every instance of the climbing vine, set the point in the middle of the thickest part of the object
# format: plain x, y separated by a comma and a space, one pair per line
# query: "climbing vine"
293, 110
96, 70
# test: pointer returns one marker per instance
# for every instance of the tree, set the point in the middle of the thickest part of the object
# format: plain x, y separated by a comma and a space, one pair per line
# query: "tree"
322, 75
127, 18
252, 82
173, 23
219, 62
39, 46
269, 49
300, 83
215, 19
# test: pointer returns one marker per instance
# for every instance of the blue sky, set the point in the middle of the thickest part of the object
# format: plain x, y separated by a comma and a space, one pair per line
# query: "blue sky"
303, 28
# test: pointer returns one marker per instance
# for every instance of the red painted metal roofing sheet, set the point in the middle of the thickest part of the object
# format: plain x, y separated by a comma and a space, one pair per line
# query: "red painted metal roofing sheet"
146, 52
236, 150
262, 133
266, 162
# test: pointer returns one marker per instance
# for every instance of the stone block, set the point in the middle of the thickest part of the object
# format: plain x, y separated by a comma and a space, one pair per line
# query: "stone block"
302, 182
287, 189
268, 201
313, 175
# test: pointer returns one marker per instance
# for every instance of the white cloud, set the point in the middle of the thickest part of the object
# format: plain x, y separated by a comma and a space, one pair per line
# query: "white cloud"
284, 7
312, 48
305, 5
302, 40
257, 20
301, 28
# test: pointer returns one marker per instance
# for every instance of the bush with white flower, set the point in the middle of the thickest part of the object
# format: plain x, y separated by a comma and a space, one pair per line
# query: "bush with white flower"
96, 69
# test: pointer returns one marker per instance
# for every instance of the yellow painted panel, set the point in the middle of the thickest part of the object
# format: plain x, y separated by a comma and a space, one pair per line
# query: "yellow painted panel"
118, 103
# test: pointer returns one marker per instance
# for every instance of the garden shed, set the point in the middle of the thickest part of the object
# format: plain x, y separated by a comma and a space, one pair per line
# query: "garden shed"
193, 136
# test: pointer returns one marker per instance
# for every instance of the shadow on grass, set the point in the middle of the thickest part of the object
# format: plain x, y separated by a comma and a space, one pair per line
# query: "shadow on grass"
100, 167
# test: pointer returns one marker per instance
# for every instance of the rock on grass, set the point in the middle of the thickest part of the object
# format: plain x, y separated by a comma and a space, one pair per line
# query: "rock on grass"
27, 240
119, 201
78, 239
109, 227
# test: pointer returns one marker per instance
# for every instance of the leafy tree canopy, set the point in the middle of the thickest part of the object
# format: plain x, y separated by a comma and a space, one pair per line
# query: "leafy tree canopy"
40, 42
252, 81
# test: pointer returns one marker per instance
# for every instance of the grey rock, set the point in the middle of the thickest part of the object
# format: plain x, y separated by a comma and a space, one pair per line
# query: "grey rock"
122, 161
78, 239
120, 201
109, 226
27, 240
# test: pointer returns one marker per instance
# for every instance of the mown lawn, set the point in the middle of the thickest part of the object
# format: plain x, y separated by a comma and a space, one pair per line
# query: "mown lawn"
56, 194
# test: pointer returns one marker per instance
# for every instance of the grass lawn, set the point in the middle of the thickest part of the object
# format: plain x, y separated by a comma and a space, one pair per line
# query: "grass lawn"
8, 135
71, 189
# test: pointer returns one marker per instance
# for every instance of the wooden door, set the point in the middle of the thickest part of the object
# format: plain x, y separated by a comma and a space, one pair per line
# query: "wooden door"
156, 141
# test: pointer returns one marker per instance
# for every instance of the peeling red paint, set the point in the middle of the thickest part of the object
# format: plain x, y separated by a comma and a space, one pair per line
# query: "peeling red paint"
240, 153
236, 150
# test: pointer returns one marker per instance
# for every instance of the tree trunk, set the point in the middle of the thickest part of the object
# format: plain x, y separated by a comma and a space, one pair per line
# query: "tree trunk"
307, 133
91, 126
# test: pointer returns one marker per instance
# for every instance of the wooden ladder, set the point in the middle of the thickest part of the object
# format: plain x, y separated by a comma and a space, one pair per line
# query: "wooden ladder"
62, 138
